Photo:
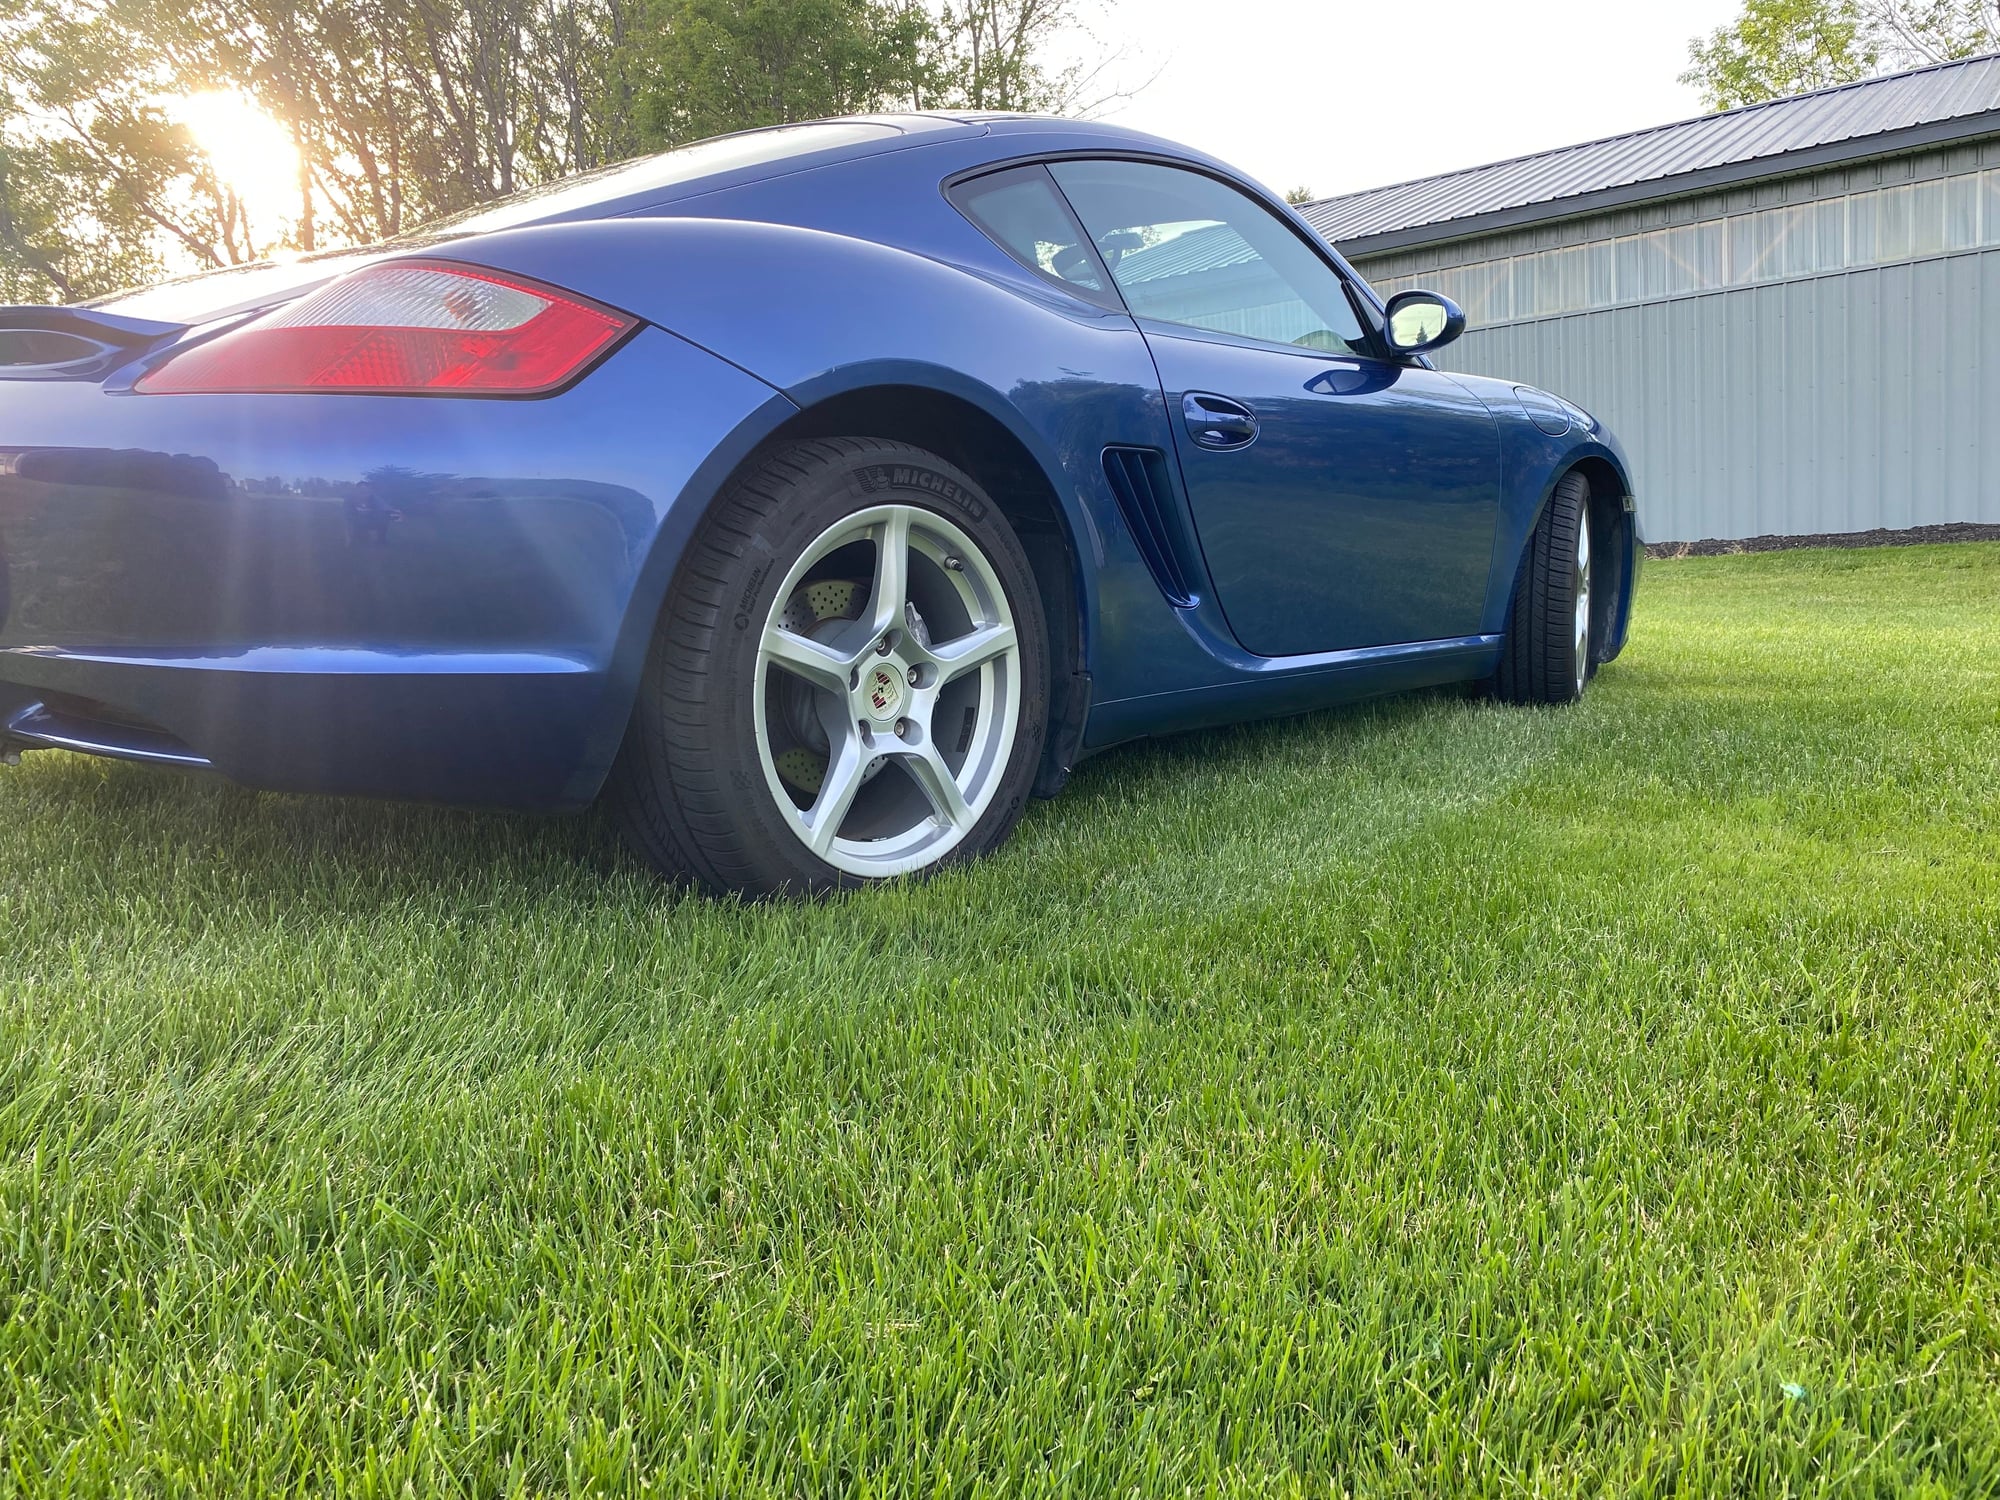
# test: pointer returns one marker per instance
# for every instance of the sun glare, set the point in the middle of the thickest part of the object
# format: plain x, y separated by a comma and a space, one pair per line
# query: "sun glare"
250, 151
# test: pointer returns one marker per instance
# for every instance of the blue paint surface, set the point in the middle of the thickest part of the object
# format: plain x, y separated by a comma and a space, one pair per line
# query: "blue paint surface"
450, 599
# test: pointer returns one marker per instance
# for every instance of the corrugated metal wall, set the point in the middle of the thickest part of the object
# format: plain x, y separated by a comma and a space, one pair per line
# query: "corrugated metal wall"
1814, 355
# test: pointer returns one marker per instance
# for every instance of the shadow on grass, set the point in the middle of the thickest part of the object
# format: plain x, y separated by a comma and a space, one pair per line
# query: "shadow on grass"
139, 823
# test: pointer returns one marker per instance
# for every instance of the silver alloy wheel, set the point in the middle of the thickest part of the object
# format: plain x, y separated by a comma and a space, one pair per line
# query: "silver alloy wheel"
912, 701
1582, 601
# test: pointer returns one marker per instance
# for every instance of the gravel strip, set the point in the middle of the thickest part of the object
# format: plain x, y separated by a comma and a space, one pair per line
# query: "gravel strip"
1956, 531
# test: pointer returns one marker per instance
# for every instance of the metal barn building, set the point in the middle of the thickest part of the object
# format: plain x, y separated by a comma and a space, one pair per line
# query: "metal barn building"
1789, 313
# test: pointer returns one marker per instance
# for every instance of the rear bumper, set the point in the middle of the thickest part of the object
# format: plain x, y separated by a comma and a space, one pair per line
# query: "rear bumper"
437, 730
438, 599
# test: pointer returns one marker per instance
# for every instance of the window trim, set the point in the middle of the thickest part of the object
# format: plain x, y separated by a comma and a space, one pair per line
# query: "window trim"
1110, 299
1368, 309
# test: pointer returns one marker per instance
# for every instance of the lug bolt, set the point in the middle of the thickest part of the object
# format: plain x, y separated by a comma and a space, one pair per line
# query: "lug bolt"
915, 676
883, 647
902, 729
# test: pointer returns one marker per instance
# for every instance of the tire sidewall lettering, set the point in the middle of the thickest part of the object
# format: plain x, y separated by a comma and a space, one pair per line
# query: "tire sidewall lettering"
750, 563
941, 490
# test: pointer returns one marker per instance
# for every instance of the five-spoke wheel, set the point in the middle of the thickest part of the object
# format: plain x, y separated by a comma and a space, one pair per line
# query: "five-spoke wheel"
889, 690
849, 683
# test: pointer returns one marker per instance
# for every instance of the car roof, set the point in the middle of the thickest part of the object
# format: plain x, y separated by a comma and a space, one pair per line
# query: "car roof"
775, 151
650, 182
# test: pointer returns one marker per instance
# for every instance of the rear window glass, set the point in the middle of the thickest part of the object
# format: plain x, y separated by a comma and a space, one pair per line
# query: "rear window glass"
1023, 213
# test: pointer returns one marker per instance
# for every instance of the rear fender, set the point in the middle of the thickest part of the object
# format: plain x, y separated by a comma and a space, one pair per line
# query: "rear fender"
442, 599
817, 315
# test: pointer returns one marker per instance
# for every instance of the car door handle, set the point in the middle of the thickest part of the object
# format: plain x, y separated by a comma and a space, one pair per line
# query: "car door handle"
1218, 422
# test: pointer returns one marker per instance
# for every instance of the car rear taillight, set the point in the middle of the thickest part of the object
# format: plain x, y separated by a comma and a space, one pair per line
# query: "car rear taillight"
406, 328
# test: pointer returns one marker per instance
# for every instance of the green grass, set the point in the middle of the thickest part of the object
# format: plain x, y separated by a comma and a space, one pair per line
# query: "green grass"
1426, 1098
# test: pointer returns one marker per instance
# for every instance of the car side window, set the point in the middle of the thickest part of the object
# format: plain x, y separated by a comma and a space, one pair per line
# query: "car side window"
1185, 248
1021, 211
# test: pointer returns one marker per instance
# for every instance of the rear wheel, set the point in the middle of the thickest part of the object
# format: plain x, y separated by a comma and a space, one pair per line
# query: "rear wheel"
1547, 654
848, 684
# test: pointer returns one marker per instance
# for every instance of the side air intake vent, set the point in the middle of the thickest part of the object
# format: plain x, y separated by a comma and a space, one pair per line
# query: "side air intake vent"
1145, 495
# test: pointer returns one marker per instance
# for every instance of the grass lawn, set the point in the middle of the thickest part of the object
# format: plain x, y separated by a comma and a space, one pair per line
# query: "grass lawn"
1427, 1098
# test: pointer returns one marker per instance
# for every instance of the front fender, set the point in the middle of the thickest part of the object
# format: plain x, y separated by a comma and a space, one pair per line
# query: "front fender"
1621, 551
1533, 461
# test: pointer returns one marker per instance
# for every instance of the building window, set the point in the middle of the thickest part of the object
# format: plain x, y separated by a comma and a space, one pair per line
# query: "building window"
1875, 227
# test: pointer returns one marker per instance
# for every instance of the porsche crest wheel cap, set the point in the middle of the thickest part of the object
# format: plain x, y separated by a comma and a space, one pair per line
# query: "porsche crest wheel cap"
882, 693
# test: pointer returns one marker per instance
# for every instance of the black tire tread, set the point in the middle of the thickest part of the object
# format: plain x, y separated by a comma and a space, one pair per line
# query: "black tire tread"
671, 790
1537, 654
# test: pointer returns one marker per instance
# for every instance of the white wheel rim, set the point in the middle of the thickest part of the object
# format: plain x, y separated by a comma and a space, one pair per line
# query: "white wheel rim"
1582, 602
890, 699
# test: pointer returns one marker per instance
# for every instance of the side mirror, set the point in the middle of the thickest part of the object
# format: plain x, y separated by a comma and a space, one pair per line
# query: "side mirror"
1418, 322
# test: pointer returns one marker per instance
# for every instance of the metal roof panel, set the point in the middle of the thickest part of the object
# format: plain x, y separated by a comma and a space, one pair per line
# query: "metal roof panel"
1851, 112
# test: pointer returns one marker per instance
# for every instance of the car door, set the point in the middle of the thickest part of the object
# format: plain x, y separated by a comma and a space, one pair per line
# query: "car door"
1341, 500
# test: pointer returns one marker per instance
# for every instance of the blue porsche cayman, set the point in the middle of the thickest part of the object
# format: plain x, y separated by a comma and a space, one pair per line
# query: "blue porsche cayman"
818, 494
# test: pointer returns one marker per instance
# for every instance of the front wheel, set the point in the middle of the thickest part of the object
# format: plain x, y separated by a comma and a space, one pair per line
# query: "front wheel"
1546, 655
849, 683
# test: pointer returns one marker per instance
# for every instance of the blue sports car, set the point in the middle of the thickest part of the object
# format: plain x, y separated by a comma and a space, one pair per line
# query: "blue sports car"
818, 494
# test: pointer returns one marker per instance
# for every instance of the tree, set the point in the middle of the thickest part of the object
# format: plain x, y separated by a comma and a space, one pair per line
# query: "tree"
709, 66
61, 237
1296, 196
1920, 31
1779, 47
99, 182
404, 109
1000, 54
399, 111
713, 66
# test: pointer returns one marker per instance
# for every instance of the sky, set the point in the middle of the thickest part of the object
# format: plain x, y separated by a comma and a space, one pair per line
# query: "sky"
1334, 96
1328, 95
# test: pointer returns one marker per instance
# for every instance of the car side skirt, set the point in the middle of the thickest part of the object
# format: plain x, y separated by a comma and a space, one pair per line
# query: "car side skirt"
1296, 685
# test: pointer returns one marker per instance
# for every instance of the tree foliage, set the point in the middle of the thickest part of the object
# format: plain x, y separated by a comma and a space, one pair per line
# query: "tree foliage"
995, 54
402, 110
96, 179
1779, 47
1920, 31
711, 66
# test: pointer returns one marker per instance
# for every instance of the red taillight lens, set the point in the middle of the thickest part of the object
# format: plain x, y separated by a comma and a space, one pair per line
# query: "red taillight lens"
401, 329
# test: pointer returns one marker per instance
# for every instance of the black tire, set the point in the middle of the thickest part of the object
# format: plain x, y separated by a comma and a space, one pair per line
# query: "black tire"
1539, 659
689, 789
